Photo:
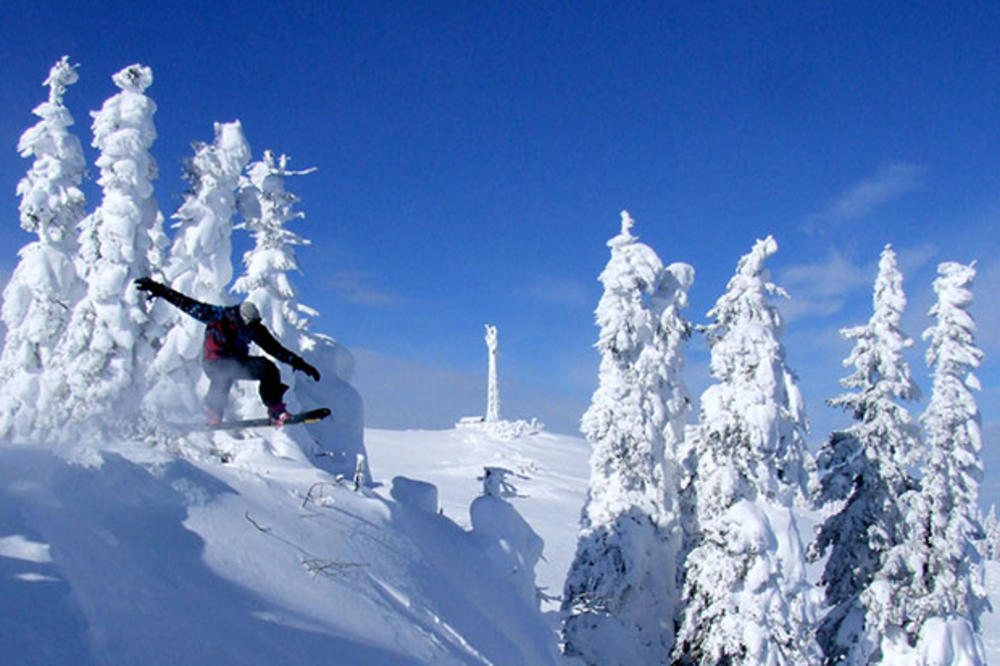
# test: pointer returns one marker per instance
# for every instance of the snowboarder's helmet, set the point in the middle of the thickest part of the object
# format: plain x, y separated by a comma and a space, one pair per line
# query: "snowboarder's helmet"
249, 312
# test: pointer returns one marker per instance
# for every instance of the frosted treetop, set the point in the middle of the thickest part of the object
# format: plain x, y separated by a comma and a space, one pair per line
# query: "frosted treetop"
134, 78
61, 75
753, 263
625, 236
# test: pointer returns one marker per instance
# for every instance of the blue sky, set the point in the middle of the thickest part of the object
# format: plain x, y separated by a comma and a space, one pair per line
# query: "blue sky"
473, 159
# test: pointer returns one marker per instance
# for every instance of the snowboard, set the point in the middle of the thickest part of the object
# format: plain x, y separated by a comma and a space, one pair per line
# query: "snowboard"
311, 416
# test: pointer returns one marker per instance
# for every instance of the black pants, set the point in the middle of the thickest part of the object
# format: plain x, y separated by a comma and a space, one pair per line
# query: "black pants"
223, 372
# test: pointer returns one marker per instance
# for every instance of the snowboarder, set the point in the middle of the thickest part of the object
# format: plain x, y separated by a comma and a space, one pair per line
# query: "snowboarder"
229, 331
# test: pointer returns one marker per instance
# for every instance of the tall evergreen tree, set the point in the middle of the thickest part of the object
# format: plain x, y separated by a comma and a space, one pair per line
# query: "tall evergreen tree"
267, 208
990, 548
865, 467
745, 591
620, 595
199, 263
44, 286
934, 578
109, 334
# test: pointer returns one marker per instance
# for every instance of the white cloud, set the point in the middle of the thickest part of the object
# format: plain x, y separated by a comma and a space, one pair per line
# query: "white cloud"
822, 289
361, 287
859, 200
551, 290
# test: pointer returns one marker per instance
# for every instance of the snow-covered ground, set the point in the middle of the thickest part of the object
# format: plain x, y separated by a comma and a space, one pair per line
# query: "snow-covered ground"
139, 557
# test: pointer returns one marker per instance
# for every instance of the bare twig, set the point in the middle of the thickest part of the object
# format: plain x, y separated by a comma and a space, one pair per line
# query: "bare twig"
253, 522
329, 568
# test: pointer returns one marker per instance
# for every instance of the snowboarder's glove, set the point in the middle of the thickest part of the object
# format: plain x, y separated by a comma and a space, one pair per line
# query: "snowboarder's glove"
302, 366
150, 286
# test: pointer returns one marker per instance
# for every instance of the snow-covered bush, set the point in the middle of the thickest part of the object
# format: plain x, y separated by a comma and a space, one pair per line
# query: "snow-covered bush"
507, 539
44, 287
745, 591
109, 334
864, 470
620, 595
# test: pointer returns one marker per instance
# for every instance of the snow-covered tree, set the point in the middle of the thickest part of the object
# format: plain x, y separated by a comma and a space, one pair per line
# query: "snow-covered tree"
864, 471
199, 263
44, 287
109, 334
745, 589
990, 548
267, 208
936, 574
620, 595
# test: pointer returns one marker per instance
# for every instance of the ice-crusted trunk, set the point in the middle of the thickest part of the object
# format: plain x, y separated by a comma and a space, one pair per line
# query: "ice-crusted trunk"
620, 595
745, 590
44, 286
864, 468
110, 336
939, 593
199, 265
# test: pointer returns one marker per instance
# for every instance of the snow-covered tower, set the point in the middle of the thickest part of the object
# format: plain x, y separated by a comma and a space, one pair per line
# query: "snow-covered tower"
492, 383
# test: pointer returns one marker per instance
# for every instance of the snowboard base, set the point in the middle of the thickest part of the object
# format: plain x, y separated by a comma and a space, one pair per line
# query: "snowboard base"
310, 416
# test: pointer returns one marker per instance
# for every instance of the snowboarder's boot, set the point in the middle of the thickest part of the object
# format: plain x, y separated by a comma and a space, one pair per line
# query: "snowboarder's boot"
212, 417
278, 414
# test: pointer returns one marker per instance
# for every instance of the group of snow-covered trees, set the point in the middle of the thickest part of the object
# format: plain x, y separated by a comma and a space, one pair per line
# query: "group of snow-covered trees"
84, 348
690, 549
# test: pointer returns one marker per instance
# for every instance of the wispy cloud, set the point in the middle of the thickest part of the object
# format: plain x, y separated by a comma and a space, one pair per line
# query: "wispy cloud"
550, 290
362, 288
859, 200
822, 289
986, 309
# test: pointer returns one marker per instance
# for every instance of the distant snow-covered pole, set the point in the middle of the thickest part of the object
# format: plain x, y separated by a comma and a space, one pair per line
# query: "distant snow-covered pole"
864, 468
44, 287
493, 384
620, 595
360, 480
745, 592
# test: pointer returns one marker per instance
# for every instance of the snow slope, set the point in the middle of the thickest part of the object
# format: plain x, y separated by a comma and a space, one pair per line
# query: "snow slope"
131, 555
140, 557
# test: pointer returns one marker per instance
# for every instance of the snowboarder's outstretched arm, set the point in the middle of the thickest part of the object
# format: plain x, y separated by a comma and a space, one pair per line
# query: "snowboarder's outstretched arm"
203, 312
266, 341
